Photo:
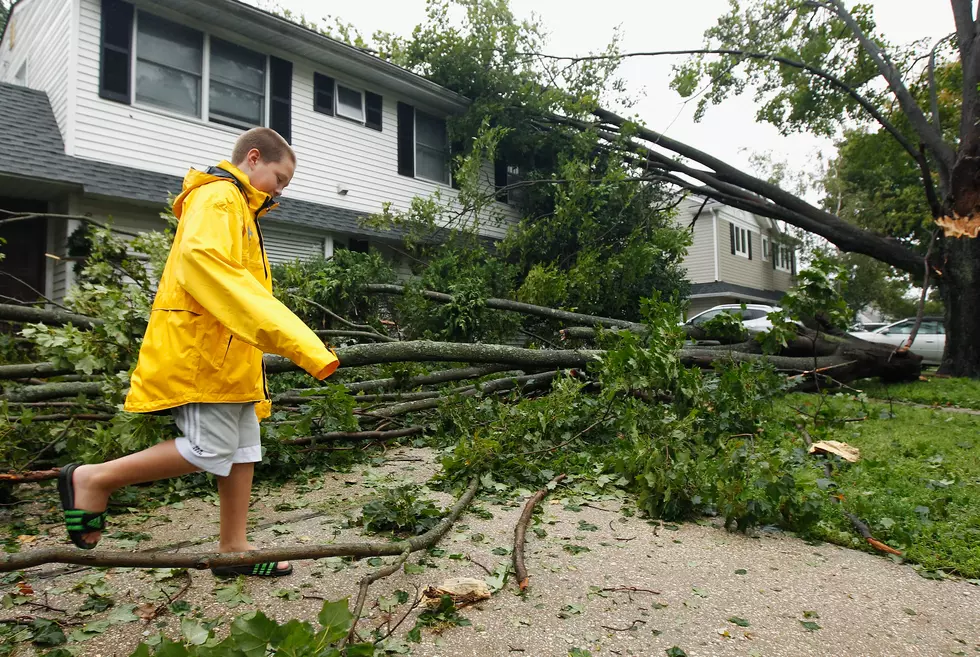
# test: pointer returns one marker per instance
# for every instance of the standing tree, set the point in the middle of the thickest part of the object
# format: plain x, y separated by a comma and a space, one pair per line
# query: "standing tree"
817, 66
4, 13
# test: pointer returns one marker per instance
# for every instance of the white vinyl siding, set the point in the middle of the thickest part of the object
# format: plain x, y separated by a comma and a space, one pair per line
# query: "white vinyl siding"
37, 42
331, 152
700, 259
284, 246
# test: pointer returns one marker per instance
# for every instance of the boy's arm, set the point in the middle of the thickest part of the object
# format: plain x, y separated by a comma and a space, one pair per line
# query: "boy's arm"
207, 270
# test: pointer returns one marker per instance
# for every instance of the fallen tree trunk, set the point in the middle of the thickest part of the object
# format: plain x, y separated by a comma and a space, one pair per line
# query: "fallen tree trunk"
29, 315
203, 560
506, 304
444, 376
364, 335
451, 352
52, 391
33, 370
520, 530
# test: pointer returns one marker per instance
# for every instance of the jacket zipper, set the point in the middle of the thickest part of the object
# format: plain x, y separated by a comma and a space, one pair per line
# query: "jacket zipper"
265, 269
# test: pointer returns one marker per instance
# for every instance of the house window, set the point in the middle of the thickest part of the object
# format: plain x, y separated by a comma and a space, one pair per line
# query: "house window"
740, 241
784, 257
431, 148
169, 62
350, 103
237, 89
765, 248
154, 62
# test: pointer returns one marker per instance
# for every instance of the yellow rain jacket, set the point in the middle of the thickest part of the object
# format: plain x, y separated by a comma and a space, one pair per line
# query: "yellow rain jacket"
214, 314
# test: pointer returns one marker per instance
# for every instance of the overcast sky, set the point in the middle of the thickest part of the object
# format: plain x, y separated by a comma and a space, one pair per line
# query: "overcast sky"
728, 129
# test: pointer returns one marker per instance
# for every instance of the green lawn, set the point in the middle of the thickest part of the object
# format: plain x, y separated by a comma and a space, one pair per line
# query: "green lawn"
917, 484
964, 393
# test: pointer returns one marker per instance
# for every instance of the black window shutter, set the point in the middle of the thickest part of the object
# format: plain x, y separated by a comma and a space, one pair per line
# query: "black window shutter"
281, 101
117, 45
749, 234
792, 262
406, 140
374, 108
731, 231
323, 86
773, 253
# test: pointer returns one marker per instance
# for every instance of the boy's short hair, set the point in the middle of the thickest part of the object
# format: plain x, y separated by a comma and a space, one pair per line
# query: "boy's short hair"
268, 142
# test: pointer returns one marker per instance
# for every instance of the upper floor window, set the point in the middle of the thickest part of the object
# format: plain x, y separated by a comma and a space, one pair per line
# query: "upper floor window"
332, 98
237, 85
431, 148
766, 248
423, 145
783, 256
185, 71
741, 241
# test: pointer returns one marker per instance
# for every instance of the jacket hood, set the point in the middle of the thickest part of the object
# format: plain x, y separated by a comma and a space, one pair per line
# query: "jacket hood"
258, 202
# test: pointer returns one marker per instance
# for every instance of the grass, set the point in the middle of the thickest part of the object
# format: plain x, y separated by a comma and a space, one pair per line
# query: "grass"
964, 393
917, 485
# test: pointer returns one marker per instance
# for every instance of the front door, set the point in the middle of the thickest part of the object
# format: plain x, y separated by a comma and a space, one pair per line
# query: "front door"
23, 247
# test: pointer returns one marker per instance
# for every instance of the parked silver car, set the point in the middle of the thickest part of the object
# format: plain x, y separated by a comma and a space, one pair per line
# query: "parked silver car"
930, 341
754, 316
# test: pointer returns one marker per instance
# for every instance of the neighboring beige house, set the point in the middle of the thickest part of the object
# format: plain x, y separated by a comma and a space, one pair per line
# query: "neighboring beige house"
736, 257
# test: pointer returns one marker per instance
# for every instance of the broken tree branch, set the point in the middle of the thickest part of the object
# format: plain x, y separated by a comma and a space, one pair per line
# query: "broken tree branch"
28, 315
520, 530
355, 435
204, 560
505, 304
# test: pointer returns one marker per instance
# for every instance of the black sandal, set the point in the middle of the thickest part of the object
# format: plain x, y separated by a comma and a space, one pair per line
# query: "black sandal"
266, 569
77, 521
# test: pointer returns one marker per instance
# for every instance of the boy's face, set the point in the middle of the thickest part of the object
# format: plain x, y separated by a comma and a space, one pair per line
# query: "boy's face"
268, 177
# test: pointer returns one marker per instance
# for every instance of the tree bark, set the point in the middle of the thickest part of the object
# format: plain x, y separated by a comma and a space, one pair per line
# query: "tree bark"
506, 304
31, 370
960, 290
355, 435
520, 529
202, 560
444, 376
52, 391
28, 315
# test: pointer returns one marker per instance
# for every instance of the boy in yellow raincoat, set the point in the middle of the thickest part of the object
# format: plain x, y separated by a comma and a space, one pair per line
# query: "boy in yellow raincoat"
213, 317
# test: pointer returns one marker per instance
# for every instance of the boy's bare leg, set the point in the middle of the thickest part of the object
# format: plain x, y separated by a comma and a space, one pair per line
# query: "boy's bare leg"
94, 484
235, 492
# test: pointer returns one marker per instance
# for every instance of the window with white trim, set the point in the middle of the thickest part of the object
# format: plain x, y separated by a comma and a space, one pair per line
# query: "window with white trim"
784, 257
350, 103
741, 238
431, 148
182, 70
766, 248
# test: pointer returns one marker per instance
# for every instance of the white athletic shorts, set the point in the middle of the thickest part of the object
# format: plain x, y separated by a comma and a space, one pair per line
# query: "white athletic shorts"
215, 436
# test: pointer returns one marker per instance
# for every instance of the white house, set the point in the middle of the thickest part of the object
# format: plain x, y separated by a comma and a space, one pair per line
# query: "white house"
105, 104
736, 256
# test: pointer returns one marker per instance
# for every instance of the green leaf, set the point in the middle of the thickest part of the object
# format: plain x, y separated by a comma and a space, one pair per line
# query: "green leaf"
579, 652
90, 630
741, 571
47, 633
700, 592
414, 569
741, 622
336, 619
375, 561
288, 594
123, 614
402, 596
500, 551
252, 633
293, 637
586, 526
360, 650
142, 650
810, 626
676, 652
193, 632
168, 648
810, 614
575, 549
539, 532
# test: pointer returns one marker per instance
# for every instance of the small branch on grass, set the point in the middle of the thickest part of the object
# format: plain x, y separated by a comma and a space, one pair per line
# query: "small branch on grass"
630, 589
624, 629
366, 582
414, 605
28, 477
355, 435
521, 529
188, 580
204, 560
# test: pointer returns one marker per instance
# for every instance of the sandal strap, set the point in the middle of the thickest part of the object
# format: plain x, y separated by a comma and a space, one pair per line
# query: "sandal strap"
264, 569
84, 521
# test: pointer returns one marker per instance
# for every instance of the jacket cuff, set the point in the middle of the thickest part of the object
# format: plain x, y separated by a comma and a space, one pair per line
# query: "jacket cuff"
325, 366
